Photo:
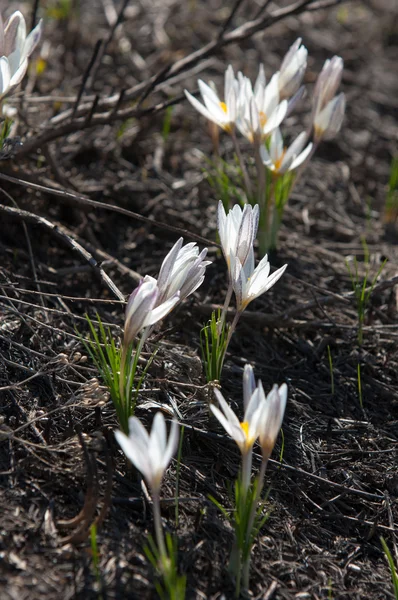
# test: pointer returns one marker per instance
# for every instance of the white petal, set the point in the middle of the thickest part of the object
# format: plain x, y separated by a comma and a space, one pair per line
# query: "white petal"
227, 410
14, 33
158, 432
276, 148
261, 284
161, 311
301, 157
136, 453
167, 266
265, 157
249, 385
229, 81
239, 283
32, 40
200, 108
234, 430
208, 92
294, 149
4, 75
276, 118
137, 431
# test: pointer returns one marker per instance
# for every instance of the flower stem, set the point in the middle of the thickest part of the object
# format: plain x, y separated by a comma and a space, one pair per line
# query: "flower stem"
122, 388
158, 525
246, 471
232, 328
250, 523
249, 192
226, 305
262, 199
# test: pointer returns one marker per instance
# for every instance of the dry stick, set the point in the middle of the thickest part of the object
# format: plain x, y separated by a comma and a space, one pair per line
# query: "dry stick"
59, 232
228, 21
86, 75
104, 44
10, 286
104, 206
59, 125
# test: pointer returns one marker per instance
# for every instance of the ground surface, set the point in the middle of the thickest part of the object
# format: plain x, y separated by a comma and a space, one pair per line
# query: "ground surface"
335, 492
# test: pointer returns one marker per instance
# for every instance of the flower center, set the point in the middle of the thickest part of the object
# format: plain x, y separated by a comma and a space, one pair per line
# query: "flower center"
245, 427
279, 161
224, 107
263, 118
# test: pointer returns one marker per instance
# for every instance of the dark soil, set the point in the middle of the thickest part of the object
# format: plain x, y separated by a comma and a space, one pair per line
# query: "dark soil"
334, 493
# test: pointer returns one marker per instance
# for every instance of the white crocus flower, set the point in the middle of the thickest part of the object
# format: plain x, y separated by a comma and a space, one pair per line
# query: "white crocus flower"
292, 70
183, 271
271, 417
143, 309
249, 385
328, 109
327, 123
237, 232
260, 110
279, 159
150, 454
244, 433
15, 49
250, 283
221, 112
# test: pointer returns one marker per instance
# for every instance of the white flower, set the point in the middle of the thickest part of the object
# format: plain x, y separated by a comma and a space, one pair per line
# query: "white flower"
150, 454
250, 283
221, 112
244, 433
15, 49
280, 159
249, 385
260, 110
143, 308
327, 123
271, 417
263, 415
237, 232
292, 69
328, 109
183, 271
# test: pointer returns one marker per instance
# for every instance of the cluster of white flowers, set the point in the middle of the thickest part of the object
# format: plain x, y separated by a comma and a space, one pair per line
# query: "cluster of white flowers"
15, 49
263, 415
257, 112
181, 273
237, 231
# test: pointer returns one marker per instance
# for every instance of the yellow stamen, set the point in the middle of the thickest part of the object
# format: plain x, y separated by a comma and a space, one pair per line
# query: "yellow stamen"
245, 427
278, 163
224, 107
263, 118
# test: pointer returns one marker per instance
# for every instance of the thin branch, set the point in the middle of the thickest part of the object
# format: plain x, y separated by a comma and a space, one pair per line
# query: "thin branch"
60, 124
104, 206
58, 231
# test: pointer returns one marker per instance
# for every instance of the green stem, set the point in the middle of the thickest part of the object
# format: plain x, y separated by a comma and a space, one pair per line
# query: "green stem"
230, 332
246, 471
265, 232
122, 389
261, 179
226, 305
260, 485
158, 525
249, 192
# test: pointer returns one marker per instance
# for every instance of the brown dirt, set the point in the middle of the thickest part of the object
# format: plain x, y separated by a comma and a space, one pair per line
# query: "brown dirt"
335, 492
